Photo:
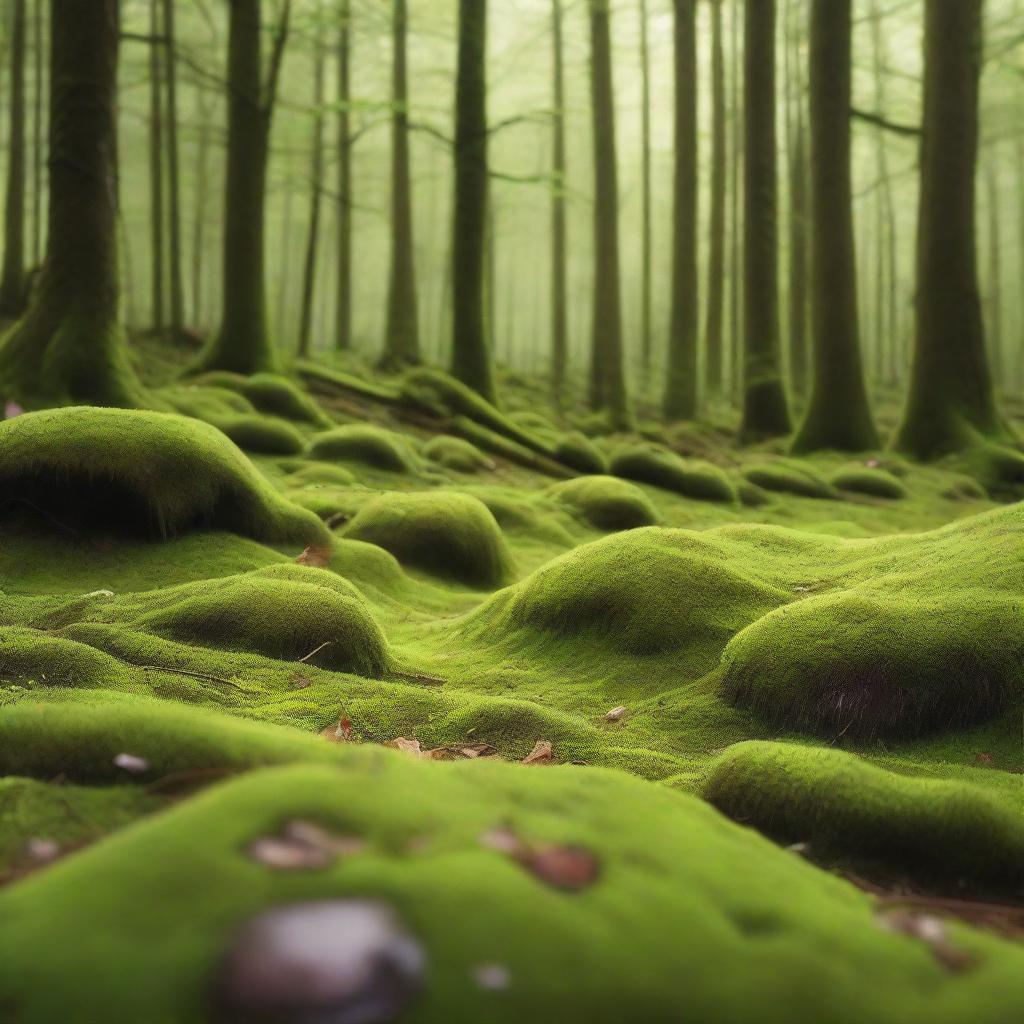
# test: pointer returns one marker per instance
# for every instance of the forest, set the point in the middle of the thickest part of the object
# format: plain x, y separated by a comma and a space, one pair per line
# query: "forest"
510, 510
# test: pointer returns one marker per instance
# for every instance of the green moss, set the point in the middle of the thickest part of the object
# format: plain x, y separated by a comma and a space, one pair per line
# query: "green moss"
862, 666
665, 469
372, 446
450, 535
31, 657
607, 503
578, 452
999, 470
206, 402
789, 477
877, 483
844, 808
303, 473
278, 396
456, 454
264, 435
144, 472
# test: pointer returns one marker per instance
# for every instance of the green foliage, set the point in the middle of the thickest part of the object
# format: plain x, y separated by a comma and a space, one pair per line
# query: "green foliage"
665, 469
578, 452
372, 446
607, 503
876, 483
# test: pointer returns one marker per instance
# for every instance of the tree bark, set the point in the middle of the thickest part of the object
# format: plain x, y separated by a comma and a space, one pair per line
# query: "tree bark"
158, 278
343, 310
838, 414
735, 203
713, 328
646, 237
12, 283
765, 409
559, 229
38, 136
799, 214
951, 402
177, 290
315, 202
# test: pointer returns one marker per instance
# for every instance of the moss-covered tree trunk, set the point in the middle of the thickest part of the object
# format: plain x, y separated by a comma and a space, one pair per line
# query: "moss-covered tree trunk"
471, 355
607, 380
765, 409
838, 415
38, 128
69, 345
158, 274
401, 343
951, 401
559, 228
243, 343
799, 214
343, 308
713, 325
174, 276
316, 186
12, 283
646, 197
680, 401
735, 202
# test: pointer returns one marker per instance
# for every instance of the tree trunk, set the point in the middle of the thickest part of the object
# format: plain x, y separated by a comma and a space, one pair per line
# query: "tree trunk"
12, 284
156, 172
995, 267
735, 202
343, 311
646, 236
713, 356
177, 291
559, 231
951, 402
471, 357
799, 214
838, 415
681, 382
200, 200
402, 344
315, 201
38, 137
608, 381
69, 346
765, 409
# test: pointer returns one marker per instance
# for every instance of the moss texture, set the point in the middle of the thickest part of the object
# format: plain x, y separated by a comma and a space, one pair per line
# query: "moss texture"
578, 452
876, 483
456, 454
789, 477
371, 446
278, 396
665, 469
607, 503
264, 435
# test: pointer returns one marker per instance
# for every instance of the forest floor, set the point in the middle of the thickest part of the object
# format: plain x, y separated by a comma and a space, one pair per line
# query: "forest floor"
232, 684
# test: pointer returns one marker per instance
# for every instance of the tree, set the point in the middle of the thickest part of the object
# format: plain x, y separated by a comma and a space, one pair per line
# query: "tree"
607, 377
402, 344
471, 355
12, 282
316, 173
559, 231
713, 328
951, 401
69, 345
799, 213
156, 169
343, 309
646, 201
838, 415
765, 409
681, 382
243, 343
177, 288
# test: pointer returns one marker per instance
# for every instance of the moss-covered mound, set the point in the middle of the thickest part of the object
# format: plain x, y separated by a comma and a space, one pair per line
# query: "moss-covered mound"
644, 592
862, 666
303, 473
578, 452
372, 446
998, 469
456, 454
290, 614
264, 435
663, 468
876, 483
278, 396
789, 477
141, 473
31, 657
607, 503
450, 535
844, 808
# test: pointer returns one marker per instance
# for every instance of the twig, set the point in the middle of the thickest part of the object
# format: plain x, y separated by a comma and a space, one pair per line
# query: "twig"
316, 651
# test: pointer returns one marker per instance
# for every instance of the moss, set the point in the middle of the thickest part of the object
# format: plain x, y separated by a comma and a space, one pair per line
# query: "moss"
450, 535
207, 401
789, 477
877, 483
372, 446
304, 473
30, 657
264, 435
607, 503
578, 452
456, 454
862, 666
752, 496
1000, 470
145, 472
846, 809
665, 469
278, 396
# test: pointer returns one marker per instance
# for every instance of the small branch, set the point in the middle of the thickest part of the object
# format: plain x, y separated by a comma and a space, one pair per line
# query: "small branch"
276, 60
316, 651
879, 121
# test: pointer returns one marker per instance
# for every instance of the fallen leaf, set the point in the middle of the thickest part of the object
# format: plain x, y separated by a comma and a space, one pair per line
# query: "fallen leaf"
541, 753
873, 463
930, 930
478, 750
12, 409
410, 747
984, 758
300, 682
132, 763
42, 851
303, 845
563, 867
340, 733
616, 714
316, 555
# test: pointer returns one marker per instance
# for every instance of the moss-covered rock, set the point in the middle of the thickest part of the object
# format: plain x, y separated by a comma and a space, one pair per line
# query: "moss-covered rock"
450, 535
578, 452
371, 446
663, 468
141, 472
303, 473
607, 503
456, 454
787, 476
278, 396
876, 483
265, 435
33, 657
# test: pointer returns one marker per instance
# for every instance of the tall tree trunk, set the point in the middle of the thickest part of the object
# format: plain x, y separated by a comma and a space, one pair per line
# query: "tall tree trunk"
201, 202
646, 235
402, 344
177, 290
343, 310
951, 401
316, 173
799, 213
12, 283
736, 197
765, 410
38, 137
243, 344
995, 267
156, 170
680, 400
838, 415
608, 380
471, 356
69, 345
559, 230
713, 328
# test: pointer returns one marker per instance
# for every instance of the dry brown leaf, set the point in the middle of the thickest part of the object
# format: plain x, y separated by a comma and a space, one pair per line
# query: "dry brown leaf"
478, 750
410, 747
563, 867
303, 846
541, 753
316, 555
930, 930
340, 733
616, 714
984, 758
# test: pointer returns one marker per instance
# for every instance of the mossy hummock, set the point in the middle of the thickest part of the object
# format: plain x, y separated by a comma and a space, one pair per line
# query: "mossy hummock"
607, 503
663, 468
371, 446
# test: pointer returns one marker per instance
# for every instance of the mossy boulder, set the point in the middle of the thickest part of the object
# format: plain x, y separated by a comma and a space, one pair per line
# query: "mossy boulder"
787, 476
578, 452
607, 503
265, 435
876, 483
662, 468
863, 665
456, 454
303, 473
33, 657
453, 536
278, 396
144, 473
371, 446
